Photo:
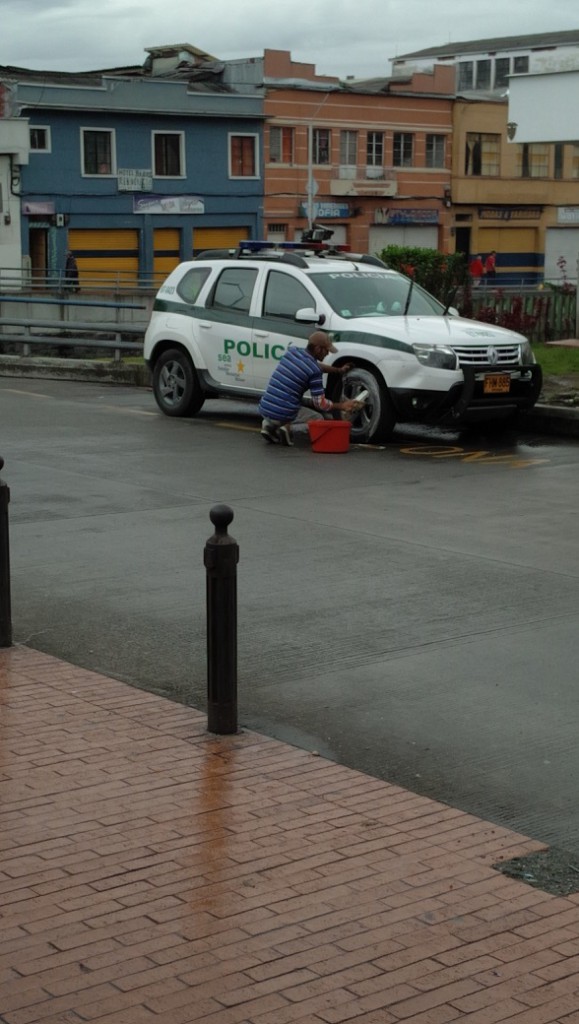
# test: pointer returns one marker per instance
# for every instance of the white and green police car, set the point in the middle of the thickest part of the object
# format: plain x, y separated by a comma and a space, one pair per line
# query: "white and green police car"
221, 322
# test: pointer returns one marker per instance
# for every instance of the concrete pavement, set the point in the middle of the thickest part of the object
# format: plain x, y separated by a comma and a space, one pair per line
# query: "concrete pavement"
153, 872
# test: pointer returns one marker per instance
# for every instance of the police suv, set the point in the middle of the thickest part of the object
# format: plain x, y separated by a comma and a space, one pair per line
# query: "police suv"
221, 322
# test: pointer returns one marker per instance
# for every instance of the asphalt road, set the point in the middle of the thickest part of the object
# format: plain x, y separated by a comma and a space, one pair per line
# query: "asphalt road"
410, 611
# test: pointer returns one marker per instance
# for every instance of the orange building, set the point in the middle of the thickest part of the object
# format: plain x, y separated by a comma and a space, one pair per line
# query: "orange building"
369, 160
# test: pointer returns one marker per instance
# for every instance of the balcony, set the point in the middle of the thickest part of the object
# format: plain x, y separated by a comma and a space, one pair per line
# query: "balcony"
364, 181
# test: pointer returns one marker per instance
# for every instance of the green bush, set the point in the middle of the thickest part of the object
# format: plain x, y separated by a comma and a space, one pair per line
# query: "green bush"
440, 273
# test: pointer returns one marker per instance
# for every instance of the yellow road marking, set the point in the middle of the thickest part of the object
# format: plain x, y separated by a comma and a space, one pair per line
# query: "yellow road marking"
30, 394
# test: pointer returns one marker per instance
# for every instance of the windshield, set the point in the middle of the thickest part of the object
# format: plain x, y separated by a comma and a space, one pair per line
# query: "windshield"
353, 293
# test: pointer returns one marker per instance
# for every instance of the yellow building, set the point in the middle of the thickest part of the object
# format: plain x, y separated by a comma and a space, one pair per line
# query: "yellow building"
510, 197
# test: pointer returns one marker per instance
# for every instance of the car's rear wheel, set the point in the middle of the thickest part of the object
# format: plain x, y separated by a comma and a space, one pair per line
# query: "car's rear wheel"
376, 420
176, 385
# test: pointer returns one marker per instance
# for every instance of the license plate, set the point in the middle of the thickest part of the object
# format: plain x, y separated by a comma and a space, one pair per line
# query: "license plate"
497, 384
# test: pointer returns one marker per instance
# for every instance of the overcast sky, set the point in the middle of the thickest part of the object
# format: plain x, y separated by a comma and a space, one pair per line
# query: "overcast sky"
341, 37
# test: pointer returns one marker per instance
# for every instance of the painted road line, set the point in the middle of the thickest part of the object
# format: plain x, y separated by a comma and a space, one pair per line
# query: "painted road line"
29, 394
482, 456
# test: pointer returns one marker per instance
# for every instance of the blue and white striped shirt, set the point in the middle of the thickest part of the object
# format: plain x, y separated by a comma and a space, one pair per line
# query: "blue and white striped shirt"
296, 373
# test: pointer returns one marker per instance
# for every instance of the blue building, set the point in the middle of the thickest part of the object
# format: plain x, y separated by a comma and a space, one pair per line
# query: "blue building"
134, 169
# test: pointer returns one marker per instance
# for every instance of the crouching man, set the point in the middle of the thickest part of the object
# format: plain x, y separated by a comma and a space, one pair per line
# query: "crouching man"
299, 370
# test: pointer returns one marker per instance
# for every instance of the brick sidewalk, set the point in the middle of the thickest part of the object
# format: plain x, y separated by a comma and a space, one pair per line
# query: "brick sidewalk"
153, 874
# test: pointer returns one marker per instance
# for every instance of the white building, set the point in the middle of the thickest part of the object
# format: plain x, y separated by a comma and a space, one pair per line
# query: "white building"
484, 65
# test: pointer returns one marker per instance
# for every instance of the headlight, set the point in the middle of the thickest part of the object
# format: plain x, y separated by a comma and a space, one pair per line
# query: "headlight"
527, 354
438, 356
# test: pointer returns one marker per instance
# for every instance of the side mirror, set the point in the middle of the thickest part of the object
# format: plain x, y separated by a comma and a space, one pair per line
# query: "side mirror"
309, 316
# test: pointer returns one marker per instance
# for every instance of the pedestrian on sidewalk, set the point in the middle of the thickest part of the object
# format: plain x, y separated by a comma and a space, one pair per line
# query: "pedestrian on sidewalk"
476, 270
299, 370
71, 272
490, 265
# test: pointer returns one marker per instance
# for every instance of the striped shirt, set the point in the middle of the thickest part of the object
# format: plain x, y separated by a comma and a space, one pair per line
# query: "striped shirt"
296, 373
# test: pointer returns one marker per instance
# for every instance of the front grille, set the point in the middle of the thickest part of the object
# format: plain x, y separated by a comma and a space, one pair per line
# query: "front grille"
485, 355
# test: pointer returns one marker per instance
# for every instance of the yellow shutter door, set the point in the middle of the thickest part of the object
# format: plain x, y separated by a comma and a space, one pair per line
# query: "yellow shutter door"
106, 257
218, 238
166, 255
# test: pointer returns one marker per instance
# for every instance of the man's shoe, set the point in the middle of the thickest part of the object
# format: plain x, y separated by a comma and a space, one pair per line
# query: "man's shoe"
285, 436
269, 433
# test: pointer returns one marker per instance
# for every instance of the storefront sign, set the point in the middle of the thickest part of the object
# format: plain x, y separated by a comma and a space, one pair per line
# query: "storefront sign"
168, 204
385, 215
134, 180
568, 215
510, 212
38, 209
326, 211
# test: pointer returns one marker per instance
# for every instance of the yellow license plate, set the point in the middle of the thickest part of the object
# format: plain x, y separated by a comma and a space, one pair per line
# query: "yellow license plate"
497, 384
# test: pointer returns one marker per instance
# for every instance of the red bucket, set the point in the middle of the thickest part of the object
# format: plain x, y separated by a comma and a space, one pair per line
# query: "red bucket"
329, 435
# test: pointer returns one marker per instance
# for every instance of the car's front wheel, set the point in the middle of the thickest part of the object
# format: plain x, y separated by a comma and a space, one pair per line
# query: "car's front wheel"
176, 385
376, 420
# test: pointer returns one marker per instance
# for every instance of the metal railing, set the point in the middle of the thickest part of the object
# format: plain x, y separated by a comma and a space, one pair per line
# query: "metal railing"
33, 333
14, 279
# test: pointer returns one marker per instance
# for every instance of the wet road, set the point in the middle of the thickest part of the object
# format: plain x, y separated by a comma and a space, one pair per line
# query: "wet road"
410, 611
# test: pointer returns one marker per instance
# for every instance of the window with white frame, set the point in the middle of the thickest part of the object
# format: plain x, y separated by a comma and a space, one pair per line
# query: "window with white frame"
502, 72
482, 154
322, 141
465, 75
348, 148
281, 145
39, 138
435, 150
98, 151
533, 160
521, 65
168, 154
403, 149
375, 149
483, 74
243, 156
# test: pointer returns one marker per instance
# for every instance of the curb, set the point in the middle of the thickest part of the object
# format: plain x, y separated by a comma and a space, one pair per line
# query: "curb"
75, 369
557, 420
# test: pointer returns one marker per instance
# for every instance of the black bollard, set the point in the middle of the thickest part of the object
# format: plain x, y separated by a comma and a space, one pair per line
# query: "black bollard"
5, 611
220, 558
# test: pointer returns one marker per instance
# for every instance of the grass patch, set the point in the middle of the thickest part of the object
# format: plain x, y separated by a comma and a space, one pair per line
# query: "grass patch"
556, 361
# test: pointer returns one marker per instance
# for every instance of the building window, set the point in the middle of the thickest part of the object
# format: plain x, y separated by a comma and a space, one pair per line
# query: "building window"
533, 160
276, 232
521, 65
321, 142
375, 149
243, 159
39, 139
502, 72
483, 74
348, 148
558, 160
98, 151
403, 146
435, 150
281, 145
465, 75
168, 158
575, 160
482, 155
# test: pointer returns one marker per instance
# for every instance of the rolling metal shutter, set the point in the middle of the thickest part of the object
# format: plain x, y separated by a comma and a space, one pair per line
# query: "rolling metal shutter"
106, 257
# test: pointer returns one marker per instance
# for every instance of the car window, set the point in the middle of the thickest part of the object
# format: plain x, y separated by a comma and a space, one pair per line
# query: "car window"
234, 289
365, 293
284, 296
192, 283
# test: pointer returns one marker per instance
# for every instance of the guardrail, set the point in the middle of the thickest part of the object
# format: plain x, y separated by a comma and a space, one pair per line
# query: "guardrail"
61, 331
